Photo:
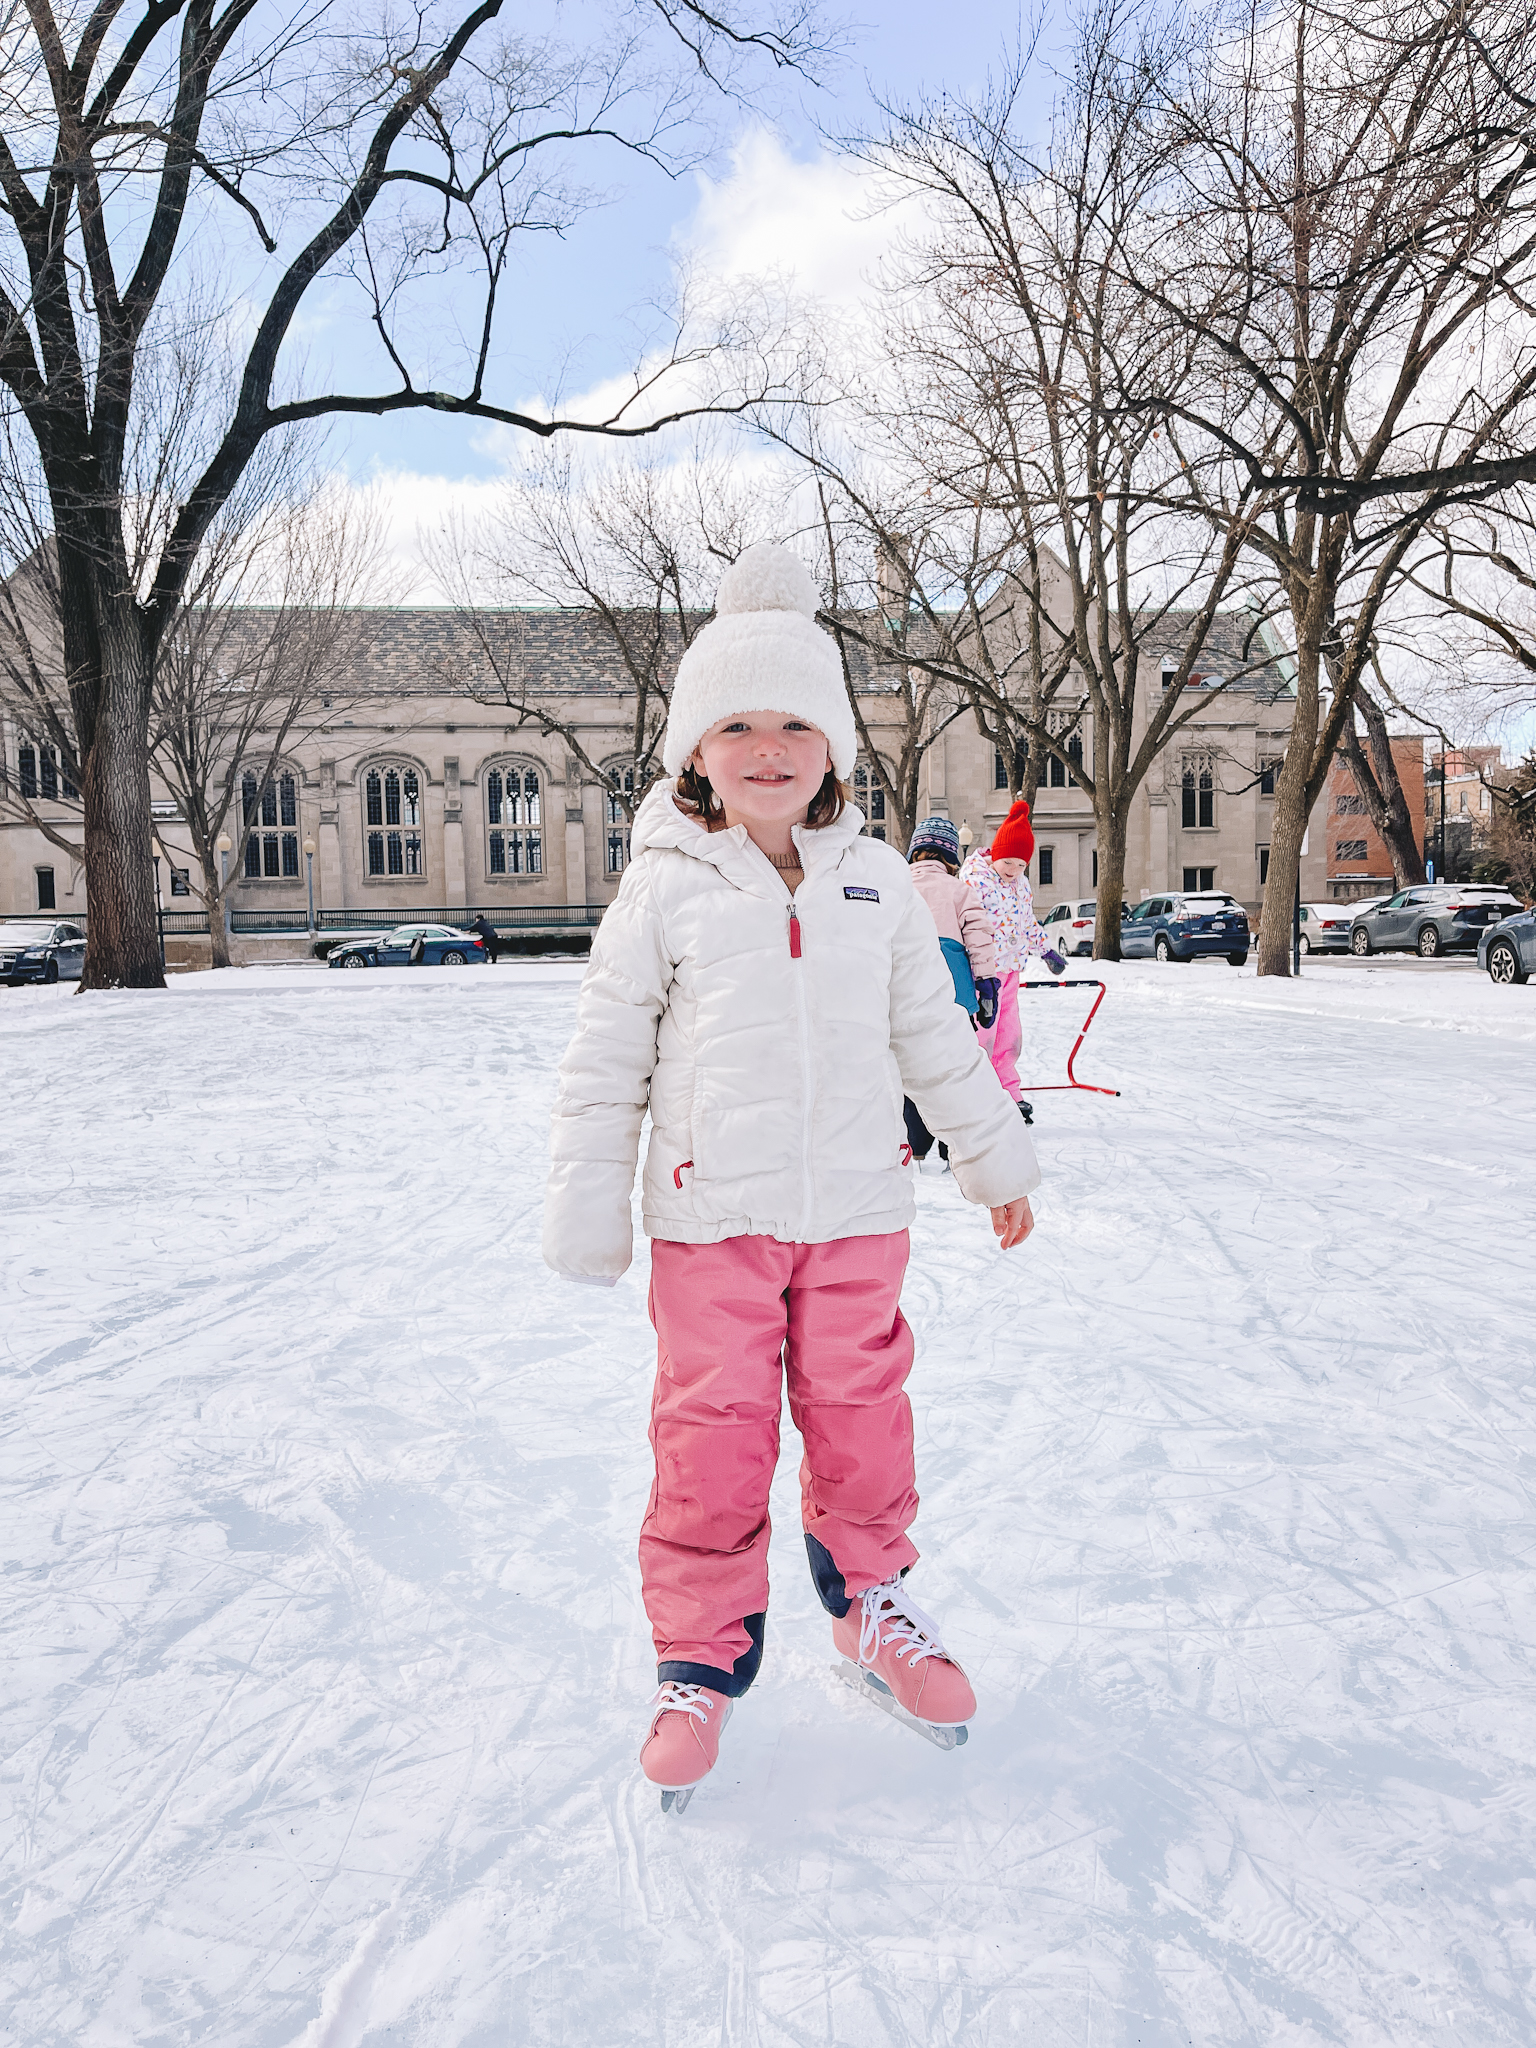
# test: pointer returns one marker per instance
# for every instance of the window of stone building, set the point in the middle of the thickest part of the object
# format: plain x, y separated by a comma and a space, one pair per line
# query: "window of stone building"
391, 821
1268, 770
1198, 879
39, 774
621, 776
1263, 865
1462, 804
1095, 867
1074, 753
1349, 849
46, 899
1047, 866
1058, 772
514, 820
1198, 813
869, 795
270, 812
181, 881
999, 769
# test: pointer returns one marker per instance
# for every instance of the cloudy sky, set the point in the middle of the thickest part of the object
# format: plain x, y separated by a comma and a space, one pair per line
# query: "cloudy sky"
776, 200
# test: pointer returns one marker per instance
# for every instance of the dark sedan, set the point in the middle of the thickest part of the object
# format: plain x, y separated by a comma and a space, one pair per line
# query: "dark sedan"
1186, 927
411, 945
41, 950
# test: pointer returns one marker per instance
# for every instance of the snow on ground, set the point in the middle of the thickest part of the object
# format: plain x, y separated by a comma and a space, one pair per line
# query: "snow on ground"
326, 1665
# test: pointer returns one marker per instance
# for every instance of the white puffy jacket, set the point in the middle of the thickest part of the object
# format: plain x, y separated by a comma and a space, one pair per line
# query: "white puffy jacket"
772, 1038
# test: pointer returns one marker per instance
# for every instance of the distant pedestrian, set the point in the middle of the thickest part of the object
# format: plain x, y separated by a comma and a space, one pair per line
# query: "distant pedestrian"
999, 874
491, 936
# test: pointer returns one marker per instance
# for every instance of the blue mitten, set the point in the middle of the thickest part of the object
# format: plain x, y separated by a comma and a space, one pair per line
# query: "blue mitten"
986, 1001
1054, 962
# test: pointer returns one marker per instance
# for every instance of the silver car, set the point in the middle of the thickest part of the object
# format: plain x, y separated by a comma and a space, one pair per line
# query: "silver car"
1434, 918
1325, 926
1508, 949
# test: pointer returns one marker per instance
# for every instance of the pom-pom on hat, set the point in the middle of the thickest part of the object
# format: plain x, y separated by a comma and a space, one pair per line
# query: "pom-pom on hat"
936, 835
762, 651
1015, 838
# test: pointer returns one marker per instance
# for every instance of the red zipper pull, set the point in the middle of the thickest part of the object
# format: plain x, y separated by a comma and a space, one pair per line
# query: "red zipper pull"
794, 933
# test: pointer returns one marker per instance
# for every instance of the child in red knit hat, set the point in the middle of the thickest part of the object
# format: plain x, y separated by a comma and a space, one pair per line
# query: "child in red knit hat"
1000, 876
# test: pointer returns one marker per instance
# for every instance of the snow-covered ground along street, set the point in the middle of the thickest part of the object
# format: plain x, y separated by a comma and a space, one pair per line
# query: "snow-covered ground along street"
325, 1660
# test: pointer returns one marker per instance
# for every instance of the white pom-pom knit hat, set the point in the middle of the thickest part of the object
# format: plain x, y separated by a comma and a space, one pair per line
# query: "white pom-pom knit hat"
762, 651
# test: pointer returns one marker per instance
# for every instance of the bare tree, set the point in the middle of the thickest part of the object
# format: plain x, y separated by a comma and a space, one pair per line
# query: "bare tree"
406, 157
237, 684
1342, 219
637, 547
1028, 353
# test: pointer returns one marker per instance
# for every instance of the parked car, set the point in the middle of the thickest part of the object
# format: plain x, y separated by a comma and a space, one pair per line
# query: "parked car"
1434, 918
41, 950
1187, 927
1325, 926
1074, 925
1508, 949
411, 945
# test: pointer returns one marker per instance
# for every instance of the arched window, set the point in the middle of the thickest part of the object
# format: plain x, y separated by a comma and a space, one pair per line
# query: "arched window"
392, 820
514, 820
621, 776
271, 811
1198, 794
869, 795
39, 772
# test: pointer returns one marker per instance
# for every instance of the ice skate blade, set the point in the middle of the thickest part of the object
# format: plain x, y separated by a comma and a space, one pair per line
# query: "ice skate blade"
868, 1687
677, 1802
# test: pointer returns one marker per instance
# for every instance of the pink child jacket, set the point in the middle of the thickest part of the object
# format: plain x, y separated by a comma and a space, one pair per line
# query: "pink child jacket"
959, 913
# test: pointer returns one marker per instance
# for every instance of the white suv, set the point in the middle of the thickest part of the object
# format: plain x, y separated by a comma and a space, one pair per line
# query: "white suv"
1070, 927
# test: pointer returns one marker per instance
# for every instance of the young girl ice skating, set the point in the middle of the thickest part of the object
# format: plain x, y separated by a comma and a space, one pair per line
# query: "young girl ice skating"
965, 939
999, 874
766, 984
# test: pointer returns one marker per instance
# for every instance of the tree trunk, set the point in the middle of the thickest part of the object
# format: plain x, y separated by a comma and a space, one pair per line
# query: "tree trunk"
1378, 782
1112, 823
218, 938
122, 935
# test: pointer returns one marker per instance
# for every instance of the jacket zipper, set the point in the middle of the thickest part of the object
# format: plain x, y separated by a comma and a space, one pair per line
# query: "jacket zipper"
805, 1068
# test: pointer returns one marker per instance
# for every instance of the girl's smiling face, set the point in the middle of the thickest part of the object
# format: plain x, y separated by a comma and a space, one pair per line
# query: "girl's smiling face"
764, 766
1010, 870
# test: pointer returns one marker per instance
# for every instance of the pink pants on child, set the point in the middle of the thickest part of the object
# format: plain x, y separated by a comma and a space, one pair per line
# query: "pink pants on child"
1001, 1043
727, 1315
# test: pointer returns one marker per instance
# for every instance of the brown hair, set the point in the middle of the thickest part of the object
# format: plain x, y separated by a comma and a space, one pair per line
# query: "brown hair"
696, 796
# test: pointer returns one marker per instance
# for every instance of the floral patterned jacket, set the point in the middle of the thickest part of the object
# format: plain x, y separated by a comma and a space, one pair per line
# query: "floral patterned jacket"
1011, 907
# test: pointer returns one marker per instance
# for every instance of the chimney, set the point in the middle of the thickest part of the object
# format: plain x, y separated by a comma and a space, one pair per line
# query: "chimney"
893, 577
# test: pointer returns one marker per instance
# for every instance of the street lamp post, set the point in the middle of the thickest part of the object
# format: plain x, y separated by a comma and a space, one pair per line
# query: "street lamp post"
309, 858
160, 912
223, 843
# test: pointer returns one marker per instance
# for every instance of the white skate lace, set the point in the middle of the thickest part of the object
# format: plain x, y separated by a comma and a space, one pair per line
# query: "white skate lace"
890, 1617
671, 1697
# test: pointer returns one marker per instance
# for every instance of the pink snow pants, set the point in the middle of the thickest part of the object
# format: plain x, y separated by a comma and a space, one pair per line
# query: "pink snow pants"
1001, 1044
728, 1318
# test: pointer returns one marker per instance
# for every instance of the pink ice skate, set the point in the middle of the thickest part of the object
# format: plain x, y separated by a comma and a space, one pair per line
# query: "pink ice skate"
896, 1660
684, 1740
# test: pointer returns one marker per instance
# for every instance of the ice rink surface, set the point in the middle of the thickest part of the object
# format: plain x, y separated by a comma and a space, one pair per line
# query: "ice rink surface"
325, 1661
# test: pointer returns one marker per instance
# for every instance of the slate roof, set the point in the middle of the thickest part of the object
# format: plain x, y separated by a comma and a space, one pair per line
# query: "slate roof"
430, 651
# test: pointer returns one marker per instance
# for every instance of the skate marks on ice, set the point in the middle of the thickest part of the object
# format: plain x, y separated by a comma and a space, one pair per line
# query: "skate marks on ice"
328, 1606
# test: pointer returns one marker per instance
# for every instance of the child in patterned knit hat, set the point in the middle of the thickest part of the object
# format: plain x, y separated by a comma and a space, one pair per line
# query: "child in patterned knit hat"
965, 939
999, 874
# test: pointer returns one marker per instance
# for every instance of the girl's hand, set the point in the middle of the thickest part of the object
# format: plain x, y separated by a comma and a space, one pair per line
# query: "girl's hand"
1013, 1222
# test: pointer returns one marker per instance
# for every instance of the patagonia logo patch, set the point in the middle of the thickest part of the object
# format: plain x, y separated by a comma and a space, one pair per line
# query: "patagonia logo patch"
862, 895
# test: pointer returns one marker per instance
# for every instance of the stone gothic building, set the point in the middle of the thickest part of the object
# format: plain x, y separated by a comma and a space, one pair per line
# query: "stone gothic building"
416, 794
